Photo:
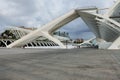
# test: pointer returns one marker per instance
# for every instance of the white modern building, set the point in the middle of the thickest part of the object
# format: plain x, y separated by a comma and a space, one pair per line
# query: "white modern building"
106, 27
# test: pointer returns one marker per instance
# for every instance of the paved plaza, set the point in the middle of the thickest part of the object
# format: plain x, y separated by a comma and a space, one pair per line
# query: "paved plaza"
59, 64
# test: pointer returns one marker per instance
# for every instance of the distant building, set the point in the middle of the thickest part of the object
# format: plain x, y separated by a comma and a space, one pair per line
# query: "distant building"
78, 41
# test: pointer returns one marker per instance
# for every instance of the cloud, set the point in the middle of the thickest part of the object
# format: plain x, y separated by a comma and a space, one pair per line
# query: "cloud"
39, 12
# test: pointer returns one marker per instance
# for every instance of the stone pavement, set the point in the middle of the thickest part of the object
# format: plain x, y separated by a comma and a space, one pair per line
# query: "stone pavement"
59, 64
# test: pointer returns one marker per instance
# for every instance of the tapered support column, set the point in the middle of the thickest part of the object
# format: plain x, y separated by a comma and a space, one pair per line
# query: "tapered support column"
45, 34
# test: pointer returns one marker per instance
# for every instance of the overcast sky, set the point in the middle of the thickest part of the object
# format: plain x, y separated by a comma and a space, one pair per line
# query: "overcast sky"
35, 13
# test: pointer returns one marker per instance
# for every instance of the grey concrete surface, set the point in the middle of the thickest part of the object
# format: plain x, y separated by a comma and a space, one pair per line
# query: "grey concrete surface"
74, 64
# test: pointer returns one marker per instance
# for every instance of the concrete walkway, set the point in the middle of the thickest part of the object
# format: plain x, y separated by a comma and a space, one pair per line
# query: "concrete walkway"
58, 64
